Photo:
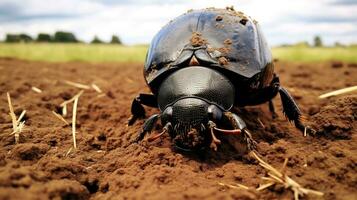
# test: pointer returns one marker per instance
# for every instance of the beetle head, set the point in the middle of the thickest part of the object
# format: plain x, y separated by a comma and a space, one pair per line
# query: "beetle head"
190, 118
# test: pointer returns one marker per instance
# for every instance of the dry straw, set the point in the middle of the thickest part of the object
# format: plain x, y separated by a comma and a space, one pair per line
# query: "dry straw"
339, 92
96, 88
74, 99
236, 186
64, 104
74, 115
60, 117
83, 86
37, 90
17, 124
78, 85
277, 177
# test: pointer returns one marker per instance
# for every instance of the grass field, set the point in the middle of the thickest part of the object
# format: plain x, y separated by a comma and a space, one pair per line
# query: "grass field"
116, 53
74, 52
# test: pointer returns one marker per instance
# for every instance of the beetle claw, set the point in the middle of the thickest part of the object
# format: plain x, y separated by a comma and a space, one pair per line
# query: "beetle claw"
131, 120
214, 141
251, 143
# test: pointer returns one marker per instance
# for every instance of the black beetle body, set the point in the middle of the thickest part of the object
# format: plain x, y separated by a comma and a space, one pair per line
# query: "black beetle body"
200, 66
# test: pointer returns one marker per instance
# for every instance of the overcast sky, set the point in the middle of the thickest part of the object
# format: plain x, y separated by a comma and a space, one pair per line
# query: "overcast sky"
136, 21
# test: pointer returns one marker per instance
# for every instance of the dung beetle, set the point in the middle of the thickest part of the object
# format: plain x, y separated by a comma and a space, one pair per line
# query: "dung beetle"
199, 67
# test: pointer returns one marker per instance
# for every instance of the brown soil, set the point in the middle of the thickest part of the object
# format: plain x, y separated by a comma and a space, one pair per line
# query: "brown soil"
107, 166
223, 61
197, 39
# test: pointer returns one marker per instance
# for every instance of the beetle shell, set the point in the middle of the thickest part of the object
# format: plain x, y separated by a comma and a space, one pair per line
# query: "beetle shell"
222, 39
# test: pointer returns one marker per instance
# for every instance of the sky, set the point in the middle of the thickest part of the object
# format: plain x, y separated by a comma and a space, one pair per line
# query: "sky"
137, 21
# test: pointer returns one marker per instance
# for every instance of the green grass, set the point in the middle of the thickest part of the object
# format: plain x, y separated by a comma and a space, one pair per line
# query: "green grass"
74, 52
312, 54
117, 53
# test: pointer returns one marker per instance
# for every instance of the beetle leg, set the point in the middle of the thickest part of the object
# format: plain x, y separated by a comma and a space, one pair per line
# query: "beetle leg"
137, 110
235, 121
148, 126
251, 143
166, 129
272, 109
292, 111
238, 123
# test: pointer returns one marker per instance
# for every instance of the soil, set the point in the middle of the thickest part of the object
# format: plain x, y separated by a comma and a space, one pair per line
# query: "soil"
106, 165
197, 39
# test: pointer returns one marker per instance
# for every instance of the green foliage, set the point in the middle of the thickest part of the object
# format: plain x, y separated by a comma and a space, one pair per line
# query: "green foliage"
65, 37
318, 41
25, 38
115, 40
44, 37
96, 40
12, 38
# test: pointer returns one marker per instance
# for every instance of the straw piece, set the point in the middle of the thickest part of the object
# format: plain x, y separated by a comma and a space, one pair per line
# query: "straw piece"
74, 115
69, 151
100, 95
74, 120
78, 85
276, 177
96, 88
60, 117
17, 125
64, 110
338, 92
12, 113
72, 99
35, 89
242, 186
264, 186
21, 116
239, 186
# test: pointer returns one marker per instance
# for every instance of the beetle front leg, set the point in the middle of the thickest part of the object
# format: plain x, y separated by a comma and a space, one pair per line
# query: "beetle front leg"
238, 123
272, 109
292, 111
137, 110
148, 126
239, 126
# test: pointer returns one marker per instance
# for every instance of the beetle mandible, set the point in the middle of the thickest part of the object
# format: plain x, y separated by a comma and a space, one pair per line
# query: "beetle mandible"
201, 65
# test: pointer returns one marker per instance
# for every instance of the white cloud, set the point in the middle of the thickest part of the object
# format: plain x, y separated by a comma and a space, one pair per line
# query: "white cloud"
137, 21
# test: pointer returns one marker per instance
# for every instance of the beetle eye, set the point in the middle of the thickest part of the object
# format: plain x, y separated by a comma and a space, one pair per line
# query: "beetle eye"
214, 112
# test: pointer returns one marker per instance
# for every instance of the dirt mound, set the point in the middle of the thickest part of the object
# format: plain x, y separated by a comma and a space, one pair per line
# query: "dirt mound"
107, 165
337, 119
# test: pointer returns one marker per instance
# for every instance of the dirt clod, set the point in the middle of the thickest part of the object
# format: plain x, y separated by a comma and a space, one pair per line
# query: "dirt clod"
197, 40
30, 151
223, 61
336, 64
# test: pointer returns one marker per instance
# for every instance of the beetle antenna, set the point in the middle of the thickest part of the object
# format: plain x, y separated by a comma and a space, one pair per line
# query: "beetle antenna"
156, 136
214, 141
228, 132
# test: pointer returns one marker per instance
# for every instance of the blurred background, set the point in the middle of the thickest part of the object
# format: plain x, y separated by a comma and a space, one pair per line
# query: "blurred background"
111, 31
